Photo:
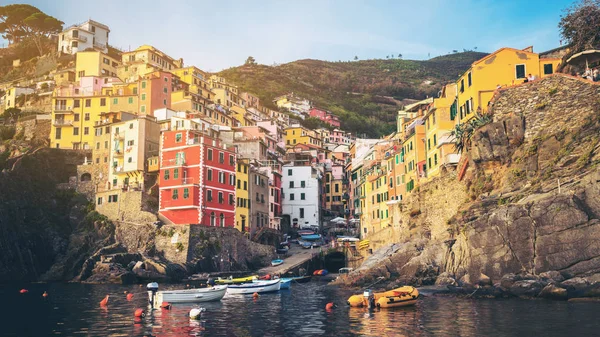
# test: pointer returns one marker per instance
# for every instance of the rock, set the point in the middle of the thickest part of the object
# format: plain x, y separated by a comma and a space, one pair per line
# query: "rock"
576, 283
595, 278
175, 272
111, 273
138, 267
508, 280
553, 292
592, 291
155, 267
445, 279
526, 288
552, 275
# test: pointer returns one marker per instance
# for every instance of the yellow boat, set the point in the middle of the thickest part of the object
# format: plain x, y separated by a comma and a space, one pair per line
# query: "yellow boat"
238, 280
399, 297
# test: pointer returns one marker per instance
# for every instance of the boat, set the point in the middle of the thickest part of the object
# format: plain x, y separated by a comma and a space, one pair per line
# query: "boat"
399, 297
276, 262
198, 295
255, 287
311, 237
238, 280
299, 279
285, 283
305, 232
320, 272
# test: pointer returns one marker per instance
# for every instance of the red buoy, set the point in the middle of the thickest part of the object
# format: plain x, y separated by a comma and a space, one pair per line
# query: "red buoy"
45, 294
139, 313
23, 291
104, 302
129, 296
166, 305
329, 306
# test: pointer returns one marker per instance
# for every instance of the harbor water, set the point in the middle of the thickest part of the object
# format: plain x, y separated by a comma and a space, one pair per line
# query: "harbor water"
74, 310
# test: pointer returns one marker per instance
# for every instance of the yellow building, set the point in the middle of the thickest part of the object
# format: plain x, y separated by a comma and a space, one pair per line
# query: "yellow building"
242, 209
414, 153
197, 80
64, 77
10, 98
226, 94
297, 134
144, 60
94, 63
504, 67
439, 123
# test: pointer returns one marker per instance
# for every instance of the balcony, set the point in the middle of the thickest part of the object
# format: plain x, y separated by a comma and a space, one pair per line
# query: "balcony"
175, 162
119, 135
62, 122
452, 159
80, 38
99, 45
118, 169
63, 109
118, 153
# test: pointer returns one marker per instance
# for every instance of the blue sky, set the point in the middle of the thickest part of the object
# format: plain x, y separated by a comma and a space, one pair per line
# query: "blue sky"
214, 35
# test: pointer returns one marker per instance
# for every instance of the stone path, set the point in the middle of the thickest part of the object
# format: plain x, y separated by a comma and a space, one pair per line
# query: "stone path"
297, 256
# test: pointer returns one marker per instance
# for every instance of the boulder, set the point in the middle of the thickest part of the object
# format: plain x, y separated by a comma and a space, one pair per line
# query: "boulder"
111, 273
592, 291
445, 279
576, 283
526, 288
176, 272
155, 267
552, 275
508, 280
138, 267
553, 292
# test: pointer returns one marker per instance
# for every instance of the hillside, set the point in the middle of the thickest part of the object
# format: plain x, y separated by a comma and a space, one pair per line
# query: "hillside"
362, 93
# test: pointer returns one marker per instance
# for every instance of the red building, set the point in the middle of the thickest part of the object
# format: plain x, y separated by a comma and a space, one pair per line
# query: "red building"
197, 179
325, 116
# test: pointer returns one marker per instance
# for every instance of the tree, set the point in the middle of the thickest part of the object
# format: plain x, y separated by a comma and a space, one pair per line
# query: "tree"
579, 25
399, 56
11, 114
355, 58
18, 22
250, 61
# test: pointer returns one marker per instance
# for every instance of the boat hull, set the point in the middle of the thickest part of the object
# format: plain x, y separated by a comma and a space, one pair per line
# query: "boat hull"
286, 283
259, 287
276, 262
200, 295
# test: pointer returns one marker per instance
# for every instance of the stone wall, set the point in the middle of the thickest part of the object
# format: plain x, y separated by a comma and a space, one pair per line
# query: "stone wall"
129, 207
173, 243
34, 127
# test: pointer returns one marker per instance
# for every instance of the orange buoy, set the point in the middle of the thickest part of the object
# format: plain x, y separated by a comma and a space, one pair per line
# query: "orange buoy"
166, 305
23, 291
329, 306
104, 302
45, 294
255, 295
129, 296
139, 313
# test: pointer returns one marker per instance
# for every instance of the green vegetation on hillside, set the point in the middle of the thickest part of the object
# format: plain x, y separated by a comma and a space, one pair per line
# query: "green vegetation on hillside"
364, 94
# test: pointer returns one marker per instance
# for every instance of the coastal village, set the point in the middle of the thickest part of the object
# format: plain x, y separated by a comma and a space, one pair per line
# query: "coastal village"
215, 156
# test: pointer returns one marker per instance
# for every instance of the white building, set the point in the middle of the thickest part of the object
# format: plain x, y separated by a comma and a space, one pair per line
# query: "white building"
300, 187
79, 37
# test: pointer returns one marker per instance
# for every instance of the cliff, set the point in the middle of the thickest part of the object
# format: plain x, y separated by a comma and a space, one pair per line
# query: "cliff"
528, 204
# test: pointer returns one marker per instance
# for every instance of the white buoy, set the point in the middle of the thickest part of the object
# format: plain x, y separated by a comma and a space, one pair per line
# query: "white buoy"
195, 312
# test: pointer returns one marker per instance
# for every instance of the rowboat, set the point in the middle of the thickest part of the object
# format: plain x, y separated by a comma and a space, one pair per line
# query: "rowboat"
399, 297
286, 283
300, 279
311, 237
255, 287
199, 295
276, 262
238, 280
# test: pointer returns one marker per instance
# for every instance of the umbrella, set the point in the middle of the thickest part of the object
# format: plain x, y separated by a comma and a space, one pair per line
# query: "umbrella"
338, 219
584, 57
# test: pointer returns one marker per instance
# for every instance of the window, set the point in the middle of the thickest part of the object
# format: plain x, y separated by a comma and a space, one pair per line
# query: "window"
76, 117
291, 196
76, 103
239, 184
520, 71
175, 195
186, 193
143, 97
86, 116
209, 154
291, 184
289, 172
143, 108
221, 199
212, 219
209, 195
231, 199
548, 69
100, 201
222, 177
337, 188
221, 157
131, 142
166, 176
302, 212
302, 196
209, 175
135, 91
434, 140
88, 103
75, 131
245, 185
97, 145
86, 130
178, 137
130, 100
303, 183
231, 160
435, 159
469, 81
176, 173
144, 85
115, 101
462, 85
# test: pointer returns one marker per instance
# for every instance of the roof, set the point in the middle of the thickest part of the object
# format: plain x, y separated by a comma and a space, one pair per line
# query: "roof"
425, 101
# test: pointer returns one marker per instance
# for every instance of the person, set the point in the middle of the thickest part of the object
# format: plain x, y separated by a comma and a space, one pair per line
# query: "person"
211, 282
498, 86
596, 75
531, 78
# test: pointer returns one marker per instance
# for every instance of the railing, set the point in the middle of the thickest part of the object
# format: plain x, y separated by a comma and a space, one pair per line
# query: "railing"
80, 38
119, 135
174, 162
118, 153
62, 108
99, 45
62, 122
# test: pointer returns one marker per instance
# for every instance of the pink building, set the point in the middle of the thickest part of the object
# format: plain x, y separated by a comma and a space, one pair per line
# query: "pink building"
325, 116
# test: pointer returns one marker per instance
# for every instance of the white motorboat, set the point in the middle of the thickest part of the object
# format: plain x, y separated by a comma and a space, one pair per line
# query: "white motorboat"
199, 295
255, 287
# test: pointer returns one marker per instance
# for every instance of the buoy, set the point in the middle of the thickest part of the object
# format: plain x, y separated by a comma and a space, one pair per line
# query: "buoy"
139, 313
329, 306
45, 294
255, 295
125, 292
23, 291
129, 296
195, 312
104, 302
166, 305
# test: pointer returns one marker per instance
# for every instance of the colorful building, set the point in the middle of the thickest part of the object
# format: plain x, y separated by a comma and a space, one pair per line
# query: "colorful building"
145, 59
10, 97
95, 63
297, 134
259, 194
504, 67
86, 35
242, 210
300, 186
197, 180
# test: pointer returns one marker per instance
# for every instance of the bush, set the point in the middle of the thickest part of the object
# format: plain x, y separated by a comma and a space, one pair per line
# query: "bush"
7, 132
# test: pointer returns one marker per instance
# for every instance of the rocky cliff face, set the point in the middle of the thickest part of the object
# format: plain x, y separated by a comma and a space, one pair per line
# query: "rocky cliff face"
529, 201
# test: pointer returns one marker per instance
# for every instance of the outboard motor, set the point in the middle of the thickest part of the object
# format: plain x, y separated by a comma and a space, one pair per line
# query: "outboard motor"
369, 298
152, 289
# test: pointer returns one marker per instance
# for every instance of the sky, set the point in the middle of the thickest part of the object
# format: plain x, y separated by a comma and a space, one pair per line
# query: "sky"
215, 35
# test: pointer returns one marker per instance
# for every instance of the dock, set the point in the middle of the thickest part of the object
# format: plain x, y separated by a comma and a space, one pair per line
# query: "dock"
297, 257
